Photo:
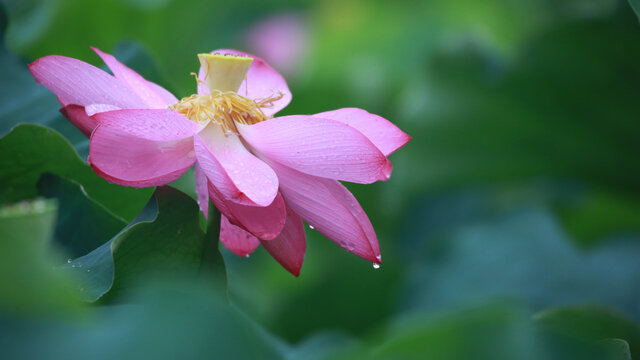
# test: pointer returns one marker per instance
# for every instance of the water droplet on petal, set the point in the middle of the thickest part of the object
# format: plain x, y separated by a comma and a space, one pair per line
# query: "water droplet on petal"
376, 266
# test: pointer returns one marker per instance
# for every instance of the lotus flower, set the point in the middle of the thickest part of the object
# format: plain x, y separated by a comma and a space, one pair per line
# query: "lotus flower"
265, 174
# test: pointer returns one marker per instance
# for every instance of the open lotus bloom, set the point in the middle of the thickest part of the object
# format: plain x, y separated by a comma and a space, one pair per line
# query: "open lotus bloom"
265, 174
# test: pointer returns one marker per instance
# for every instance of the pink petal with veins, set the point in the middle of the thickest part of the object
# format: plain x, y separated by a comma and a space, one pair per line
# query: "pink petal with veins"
289, 247
263, 222
320, 147
331, 209
133, 80
237, 240
202, 190
235, 172
79, 83
98, 108
383, 134
147, 147
78, 117
159, 180
167, 97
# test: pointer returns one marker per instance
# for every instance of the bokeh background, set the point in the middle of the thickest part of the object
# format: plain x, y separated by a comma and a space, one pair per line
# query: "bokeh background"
509, 229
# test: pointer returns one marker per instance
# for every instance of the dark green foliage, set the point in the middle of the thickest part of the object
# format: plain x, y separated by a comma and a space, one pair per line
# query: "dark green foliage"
29, 151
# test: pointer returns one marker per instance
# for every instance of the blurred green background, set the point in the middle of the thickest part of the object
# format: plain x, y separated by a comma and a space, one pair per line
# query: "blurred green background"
509, 229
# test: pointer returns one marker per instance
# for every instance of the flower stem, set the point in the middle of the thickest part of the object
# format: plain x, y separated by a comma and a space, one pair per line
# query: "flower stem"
213, 268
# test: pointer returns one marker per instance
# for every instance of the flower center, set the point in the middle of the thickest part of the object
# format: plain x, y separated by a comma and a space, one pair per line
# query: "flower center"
223, 74
225, 108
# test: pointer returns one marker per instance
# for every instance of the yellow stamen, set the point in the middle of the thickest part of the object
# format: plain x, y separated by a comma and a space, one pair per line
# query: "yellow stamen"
224, 108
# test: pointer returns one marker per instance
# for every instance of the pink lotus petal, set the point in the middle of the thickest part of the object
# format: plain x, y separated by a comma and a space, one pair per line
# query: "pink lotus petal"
79, 118
150, 124
237, 240
238, 174
133, 80
155, 181
320, 147
92, 109
79, 83
142, 147
202, 190
382, 133
331, 209
263, 222
98, 108
262, 82
167, 97
82, 116
289, 247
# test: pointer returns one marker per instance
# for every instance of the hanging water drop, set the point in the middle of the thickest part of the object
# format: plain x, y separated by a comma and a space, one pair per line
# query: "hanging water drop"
247, 256
376, 266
